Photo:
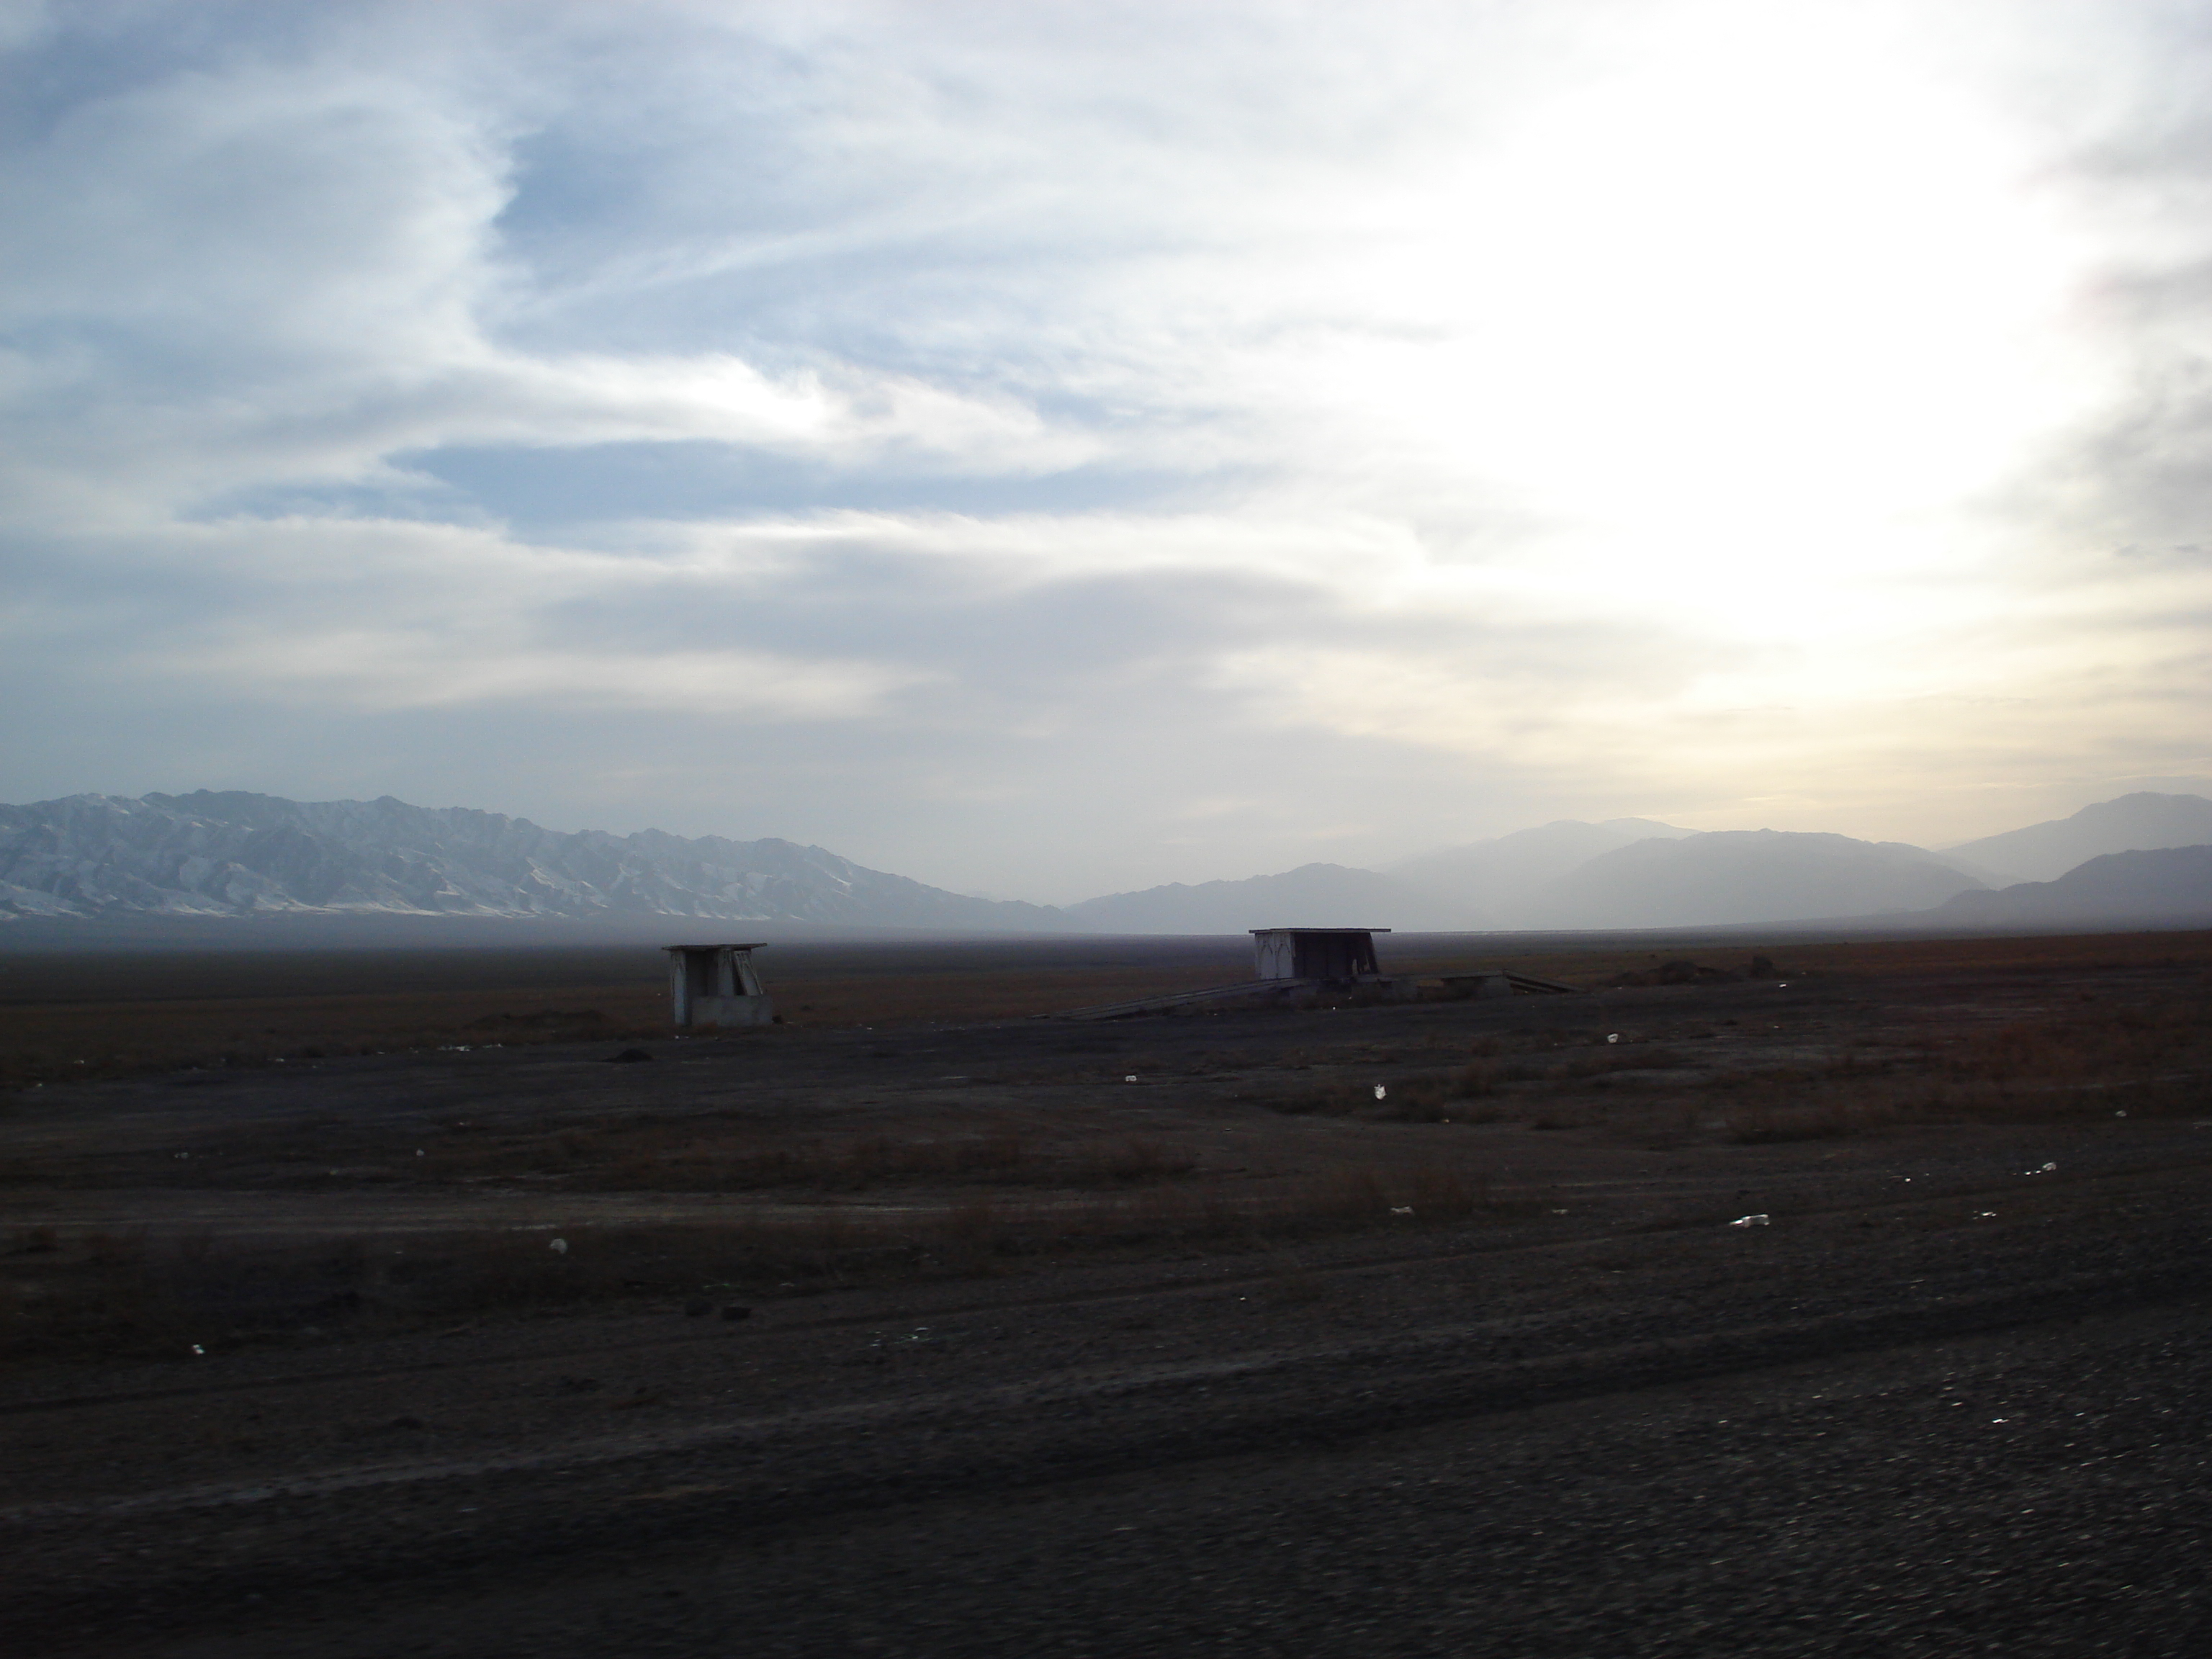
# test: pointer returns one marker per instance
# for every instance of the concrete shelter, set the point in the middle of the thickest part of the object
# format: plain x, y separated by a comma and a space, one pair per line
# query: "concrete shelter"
1333, 956
717, 985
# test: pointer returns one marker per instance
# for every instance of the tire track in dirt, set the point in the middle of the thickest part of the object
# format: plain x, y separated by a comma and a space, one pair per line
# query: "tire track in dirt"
1151, 1290
728, 1478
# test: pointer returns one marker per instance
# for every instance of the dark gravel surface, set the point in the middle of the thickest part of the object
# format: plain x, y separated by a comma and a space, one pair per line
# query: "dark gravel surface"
1964, 1412
1934, 1434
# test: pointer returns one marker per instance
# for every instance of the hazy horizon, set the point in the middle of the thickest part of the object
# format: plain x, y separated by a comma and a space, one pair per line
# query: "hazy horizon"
1047, 451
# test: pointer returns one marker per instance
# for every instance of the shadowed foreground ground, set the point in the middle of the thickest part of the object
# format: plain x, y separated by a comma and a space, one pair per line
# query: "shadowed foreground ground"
1482, 1367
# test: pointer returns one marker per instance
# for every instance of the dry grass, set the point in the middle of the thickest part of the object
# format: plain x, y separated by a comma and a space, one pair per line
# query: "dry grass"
1874, 959
856, 1164
136, 1292
77, 1017
71, 1042
2099, 1060
2087, 1056
979, 1188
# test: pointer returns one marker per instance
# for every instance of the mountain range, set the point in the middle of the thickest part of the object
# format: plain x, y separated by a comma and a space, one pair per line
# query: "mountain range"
2142, 858
231, 854
2138, 822
2162, 886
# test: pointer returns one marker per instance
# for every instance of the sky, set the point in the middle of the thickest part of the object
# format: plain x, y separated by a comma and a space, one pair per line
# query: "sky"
1052, 449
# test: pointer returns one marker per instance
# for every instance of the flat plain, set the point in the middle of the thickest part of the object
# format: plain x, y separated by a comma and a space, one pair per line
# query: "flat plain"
375, 1304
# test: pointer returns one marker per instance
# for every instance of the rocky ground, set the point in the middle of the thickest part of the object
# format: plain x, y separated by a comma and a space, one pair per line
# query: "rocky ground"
1235, 1392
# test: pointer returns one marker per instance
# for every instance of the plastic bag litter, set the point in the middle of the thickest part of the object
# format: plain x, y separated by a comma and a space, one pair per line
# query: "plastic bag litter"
559, 1247
1381, 1090
1750, 1221
2048, 1168
1132, 1077
1401, 1209
1613, 1036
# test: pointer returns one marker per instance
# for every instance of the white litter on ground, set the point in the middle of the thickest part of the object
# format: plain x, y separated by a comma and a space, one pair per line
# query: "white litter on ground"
559, 1247
1750, 1221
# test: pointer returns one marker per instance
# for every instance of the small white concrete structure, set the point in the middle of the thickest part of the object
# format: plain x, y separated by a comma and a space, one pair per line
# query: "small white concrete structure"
1333, 956
716, 985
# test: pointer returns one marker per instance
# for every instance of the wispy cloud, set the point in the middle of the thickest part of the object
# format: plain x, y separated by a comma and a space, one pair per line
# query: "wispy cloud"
1046, 448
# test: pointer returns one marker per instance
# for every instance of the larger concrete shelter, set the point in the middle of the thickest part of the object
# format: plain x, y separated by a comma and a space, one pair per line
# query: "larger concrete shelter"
717, 985
1333, 956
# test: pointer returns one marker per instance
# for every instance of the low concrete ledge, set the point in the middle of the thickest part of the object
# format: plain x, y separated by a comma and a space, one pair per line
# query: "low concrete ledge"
1254, 987
1507, 985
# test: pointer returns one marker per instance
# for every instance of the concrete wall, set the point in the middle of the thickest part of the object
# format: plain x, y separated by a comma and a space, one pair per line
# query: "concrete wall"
732, 1010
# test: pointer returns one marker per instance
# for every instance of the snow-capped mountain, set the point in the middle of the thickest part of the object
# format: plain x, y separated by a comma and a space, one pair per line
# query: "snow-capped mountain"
233, 853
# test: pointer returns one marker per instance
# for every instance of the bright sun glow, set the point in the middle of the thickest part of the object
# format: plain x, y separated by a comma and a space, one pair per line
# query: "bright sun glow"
1743, 343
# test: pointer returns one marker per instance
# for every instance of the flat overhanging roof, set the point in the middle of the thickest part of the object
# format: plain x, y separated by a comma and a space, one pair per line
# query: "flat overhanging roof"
1317, 930
759, 944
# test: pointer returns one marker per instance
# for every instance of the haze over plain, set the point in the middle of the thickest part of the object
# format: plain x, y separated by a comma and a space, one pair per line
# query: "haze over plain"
236, 858
1047, 451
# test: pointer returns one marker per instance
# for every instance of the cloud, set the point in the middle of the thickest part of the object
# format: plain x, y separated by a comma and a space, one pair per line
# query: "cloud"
1054, 446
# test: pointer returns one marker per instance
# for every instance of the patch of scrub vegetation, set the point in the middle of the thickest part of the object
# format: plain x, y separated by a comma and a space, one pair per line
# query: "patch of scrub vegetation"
108, 1291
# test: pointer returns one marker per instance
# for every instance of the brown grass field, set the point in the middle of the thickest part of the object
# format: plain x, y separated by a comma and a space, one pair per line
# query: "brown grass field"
69, 1018
851, 1168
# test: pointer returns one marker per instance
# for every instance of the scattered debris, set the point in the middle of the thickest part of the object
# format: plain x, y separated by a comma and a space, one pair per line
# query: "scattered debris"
2048, 1168
1613, 1036
1401, 1209
559, 1247
1381, 1090
1751, 1221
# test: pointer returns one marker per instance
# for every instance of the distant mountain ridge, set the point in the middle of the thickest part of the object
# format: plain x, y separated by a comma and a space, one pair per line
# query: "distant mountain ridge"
234, 854
1311, 895
214, 854
2168, 885
1502, 879
2141, 823
1729, 875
